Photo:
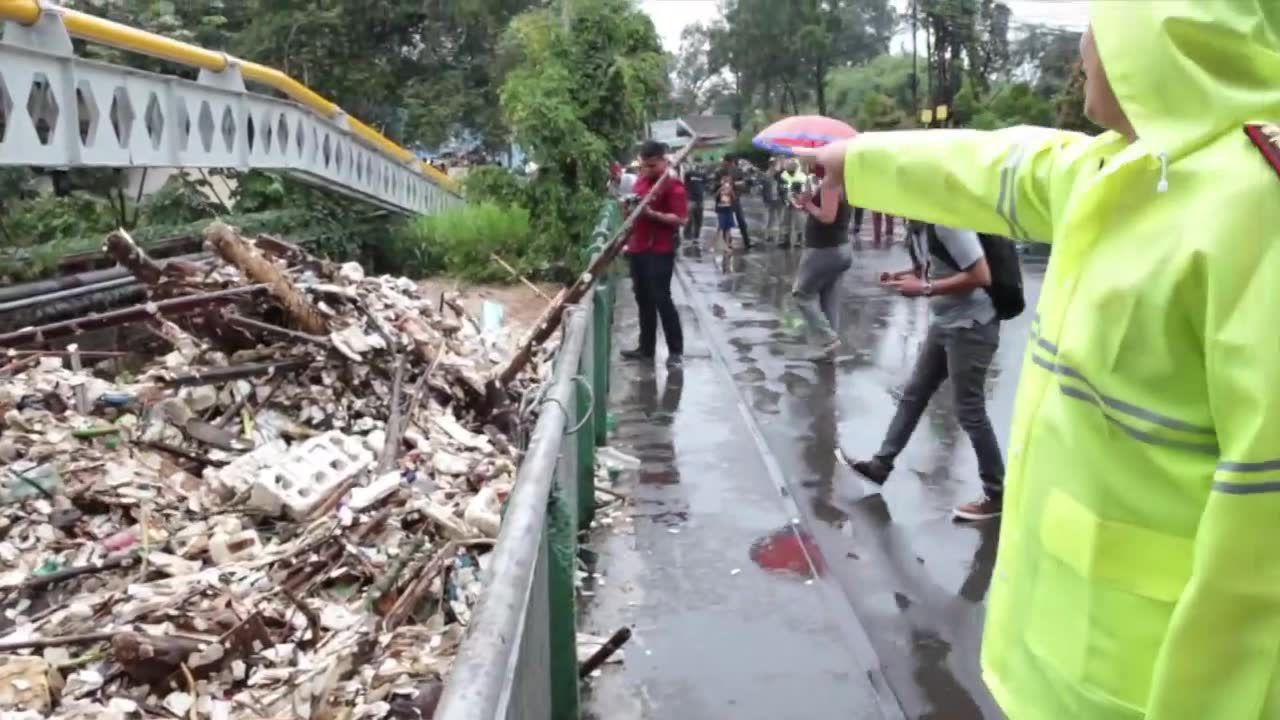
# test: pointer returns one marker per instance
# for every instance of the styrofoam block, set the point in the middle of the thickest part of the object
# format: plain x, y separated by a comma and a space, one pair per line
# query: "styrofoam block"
309, 472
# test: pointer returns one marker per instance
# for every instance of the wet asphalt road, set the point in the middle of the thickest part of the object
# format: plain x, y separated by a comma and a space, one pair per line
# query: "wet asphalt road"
891, 621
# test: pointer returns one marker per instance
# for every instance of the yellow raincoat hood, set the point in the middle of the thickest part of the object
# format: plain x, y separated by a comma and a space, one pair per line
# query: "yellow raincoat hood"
1187, 72
1138, 575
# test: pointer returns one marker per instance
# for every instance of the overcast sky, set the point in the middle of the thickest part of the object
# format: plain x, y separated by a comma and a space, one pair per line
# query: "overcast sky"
671, 16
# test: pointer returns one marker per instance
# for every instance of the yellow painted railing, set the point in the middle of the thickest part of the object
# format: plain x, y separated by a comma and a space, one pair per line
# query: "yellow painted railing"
113, 34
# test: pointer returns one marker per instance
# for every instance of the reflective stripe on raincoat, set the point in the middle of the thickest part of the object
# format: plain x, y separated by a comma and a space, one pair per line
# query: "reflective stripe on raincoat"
1139, 566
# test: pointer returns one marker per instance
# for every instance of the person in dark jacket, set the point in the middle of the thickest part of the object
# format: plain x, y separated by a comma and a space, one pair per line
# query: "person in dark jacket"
695, 184
652, 249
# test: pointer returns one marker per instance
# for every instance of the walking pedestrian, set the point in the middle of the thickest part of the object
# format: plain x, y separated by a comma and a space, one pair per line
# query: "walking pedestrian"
652, 247
695, 183
881, 229
796, 181
951, 269
825, 260
773, 192
1137, 574
729, 168
726, 196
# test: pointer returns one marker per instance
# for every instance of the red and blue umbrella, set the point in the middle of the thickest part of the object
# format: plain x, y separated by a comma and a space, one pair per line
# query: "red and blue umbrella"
807, 131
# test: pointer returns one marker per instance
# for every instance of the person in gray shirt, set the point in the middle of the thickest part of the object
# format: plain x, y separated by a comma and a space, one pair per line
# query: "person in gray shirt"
964, 333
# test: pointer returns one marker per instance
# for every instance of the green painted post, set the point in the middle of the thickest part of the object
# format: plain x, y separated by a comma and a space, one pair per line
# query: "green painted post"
586, 439
562, 551
602, 319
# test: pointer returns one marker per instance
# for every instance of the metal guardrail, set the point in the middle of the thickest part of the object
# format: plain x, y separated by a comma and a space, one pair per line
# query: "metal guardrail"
58, 110
519, 659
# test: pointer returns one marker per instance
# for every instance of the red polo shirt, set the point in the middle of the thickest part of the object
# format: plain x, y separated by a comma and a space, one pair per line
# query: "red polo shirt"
652, 236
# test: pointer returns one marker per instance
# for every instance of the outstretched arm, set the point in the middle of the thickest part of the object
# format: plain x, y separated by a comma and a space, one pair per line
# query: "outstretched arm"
999, 182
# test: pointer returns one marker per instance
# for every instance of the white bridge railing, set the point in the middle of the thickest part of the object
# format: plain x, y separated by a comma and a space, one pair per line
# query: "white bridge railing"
61, 111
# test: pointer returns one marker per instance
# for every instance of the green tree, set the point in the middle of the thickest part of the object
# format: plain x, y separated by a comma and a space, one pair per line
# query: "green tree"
418, 72
884, 83
781, 54
576, 98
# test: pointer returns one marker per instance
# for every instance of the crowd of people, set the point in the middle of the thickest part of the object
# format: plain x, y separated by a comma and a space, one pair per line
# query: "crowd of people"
810, 208
1136, 574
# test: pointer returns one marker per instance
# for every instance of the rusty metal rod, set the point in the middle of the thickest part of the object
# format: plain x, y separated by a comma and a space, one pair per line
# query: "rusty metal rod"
602, 655
176, 306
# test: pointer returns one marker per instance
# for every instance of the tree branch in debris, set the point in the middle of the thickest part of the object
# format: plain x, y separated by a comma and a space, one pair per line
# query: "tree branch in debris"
517, 276
41, 582
237, 251
414, 594
121, 248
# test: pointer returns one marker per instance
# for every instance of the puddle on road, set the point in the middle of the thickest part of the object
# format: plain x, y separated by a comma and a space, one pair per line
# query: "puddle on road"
917, 581
789, 551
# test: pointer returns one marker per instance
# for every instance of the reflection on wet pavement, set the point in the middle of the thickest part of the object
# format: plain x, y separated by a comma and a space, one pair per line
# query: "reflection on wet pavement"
812, 594
720, 584
916, 580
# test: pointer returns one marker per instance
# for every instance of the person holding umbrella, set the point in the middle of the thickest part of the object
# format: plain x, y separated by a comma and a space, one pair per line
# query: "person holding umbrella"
1137, 575
784, 138
826, 257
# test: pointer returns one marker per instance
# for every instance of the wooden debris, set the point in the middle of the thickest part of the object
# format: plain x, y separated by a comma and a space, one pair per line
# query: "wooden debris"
515, 274
240, 253
156, 522
121, 248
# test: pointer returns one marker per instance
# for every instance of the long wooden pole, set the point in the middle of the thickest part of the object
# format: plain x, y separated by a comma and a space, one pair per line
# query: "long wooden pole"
550, 319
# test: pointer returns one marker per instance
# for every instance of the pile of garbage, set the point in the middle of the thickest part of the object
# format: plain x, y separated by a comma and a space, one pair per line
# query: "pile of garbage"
284, 513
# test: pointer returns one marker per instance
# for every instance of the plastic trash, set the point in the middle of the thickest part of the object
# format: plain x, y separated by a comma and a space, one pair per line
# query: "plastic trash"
492, 316
21, 483
613, 458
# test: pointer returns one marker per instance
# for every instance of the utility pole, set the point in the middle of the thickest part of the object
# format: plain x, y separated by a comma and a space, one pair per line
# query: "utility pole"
915, 73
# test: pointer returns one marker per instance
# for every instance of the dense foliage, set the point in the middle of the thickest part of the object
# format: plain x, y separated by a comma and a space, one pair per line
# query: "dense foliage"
571, 84
579, 83
460, 243
763, 59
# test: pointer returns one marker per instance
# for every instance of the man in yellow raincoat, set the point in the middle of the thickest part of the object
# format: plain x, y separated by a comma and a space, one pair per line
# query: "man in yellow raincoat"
1139, 567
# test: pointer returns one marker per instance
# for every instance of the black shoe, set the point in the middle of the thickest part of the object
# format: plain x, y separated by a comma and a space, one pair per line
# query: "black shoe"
637, 355
873, 470
675, 361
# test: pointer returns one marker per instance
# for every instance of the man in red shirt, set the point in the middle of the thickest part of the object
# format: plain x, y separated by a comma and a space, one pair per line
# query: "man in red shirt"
652, 247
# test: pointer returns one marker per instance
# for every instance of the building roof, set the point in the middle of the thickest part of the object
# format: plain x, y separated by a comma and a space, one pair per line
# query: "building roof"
710, 129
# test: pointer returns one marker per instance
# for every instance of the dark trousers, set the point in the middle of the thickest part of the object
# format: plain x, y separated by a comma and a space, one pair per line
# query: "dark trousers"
651, 281
964, 354
693, 227
742, 223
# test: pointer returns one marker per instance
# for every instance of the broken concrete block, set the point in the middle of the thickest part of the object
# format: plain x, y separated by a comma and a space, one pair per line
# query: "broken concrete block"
24, 683
238, 547
309, 472
242, 471
365, 497
446, 463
